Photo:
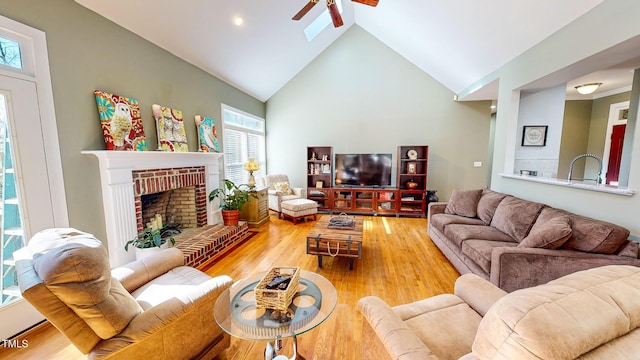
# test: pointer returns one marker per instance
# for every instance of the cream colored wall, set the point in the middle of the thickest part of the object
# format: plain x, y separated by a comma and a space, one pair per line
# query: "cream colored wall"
359, 96
88, 52
617, 23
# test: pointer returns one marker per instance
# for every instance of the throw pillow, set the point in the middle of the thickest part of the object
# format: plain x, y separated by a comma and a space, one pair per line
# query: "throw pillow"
515, 216
488, 204
549, 234
283, 187
464, 203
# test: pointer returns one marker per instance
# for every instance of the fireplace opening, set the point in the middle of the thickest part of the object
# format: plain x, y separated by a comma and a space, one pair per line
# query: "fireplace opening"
176, 208
177, 196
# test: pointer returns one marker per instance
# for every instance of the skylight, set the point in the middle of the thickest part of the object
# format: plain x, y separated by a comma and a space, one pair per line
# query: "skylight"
320, 23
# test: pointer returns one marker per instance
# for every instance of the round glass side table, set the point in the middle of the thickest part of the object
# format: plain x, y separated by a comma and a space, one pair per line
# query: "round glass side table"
236, 313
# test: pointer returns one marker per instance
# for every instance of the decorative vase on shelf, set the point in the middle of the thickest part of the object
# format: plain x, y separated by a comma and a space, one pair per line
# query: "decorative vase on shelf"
411, 185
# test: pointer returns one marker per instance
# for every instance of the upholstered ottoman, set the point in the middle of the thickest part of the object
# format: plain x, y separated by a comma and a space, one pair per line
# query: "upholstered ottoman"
299, 208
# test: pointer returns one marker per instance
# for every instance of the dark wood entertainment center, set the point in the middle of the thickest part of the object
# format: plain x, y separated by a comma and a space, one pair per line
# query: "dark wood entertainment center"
408, 197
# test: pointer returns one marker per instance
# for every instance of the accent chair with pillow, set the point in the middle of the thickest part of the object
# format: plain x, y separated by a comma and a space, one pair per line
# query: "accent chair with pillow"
153, 308
279, 190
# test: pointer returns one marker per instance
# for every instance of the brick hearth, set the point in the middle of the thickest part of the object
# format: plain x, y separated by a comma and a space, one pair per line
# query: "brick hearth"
205, 244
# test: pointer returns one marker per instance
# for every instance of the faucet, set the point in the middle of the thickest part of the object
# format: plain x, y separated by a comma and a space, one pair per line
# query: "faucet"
598, 179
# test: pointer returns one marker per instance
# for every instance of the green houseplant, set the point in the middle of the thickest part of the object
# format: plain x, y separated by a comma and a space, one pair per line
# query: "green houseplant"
147, 241
232, 198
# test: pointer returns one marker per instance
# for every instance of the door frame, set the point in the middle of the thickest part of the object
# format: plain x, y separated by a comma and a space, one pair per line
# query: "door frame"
35, 56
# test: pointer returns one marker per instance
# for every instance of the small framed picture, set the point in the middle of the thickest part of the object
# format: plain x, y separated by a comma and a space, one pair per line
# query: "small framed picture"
412, 168
326, 169
534, 135
318, 184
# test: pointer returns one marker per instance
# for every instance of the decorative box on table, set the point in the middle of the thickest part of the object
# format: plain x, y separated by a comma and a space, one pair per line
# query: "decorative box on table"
276, 299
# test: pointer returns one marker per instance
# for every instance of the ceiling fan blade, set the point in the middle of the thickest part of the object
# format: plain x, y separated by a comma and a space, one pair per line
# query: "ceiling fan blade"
367, 2
335, 14
305, 10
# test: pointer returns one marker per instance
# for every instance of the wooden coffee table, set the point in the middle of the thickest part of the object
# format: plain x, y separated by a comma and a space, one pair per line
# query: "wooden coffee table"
322, 241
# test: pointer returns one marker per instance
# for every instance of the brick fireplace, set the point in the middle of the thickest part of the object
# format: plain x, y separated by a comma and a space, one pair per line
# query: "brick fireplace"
177, 194
126, 175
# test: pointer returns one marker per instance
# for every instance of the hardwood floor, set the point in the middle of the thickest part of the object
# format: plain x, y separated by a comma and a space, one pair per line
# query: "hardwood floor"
400, 264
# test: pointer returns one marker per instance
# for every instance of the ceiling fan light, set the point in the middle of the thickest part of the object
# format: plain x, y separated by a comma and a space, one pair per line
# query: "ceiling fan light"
587, 89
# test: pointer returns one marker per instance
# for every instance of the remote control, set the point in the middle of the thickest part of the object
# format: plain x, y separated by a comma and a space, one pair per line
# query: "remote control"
277, 281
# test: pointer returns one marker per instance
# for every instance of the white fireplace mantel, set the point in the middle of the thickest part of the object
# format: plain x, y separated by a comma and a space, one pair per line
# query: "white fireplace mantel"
118, 198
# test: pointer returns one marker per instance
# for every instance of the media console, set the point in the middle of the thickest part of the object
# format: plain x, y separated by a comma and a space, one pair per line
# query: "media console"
408, 197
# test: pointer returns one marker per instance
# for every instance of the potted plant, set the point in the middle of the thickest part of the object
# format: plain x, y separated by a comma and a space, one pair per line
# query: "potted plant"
148, 242
232, 199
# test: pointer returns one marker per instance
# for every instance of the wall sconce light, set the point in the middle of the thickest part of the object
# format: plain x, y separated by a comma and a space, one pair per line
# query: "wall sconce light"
587, 89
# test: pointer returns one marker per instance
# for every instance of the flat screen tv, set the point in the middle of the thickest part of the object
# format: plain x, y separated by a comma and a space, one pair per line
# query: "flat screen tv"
363, 170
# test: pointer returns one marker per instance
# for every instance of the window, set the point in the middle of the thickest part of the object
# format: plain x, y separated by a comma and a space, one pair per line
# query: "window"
10, 53
320, 23
243, 139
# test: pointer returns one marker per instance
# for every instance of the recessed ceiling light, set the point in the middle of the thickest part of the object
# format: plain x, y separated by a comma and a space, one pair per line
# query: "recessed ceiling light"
238, 20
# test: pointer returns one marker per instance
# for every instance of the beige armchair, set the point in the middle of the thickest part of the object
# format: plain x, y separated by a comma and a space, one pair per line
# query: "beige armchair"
153, 308
590, 314
278, 192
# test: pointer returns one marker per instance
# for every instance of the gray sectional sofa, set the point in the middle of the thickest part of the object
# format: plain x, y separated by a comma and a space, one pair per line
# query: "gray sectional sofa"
516, 243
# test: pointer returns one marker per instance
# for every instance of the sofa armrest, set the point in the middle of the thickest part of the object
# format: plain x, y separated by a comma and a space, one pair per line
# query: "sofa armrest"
175, 318
435, 208
477, 292
398, 339
515, 268
139, 272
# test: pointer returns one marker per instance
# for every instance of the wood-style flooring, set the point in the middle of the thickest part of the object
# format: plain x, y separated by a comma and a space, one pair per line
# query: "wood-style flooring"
400, 264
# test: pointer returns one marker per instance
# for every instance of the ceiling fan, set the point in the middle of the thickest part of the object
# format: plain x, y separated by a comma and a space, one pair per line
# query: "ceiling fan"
333, 10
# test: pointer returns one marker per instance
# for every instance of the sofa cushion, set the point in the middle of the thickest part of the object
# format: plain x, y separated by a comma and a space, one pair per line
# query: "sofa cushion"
456, 320
595, 236
515, 216
629, 249
563, 319
488, 204
550, 234
78, 274
441, 221
463, 202
461, 232
480, 251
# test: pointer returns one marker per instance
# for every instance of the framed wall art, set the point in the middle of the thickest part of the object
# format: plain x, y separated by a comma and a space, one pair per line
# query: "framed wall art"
534, 135
121, 122
170, 127
207, 135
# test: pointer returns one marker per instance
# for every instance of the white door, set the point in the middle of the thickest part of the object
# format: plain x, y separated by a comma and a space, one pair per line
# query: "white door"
26, 205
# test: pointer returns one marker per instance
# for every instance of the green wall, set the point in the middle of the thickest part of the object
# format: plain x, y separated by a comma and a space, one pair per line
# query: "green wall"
88, 52
361, 96
575, 137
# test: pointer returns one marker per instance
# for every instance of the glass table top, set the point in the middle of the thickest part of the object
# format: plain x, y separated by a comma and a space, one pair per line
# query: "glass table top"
236, 313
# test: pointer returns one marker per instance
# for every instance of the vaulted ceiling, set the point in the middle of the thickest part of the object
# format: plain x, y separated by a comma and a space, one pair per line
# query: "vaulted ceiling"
455, 42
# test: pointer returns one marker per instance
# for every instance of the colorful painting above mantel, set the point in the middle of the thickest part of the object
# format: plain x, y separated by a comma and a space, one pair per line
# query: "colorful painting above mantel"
171, 133
121, 122
207, 136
